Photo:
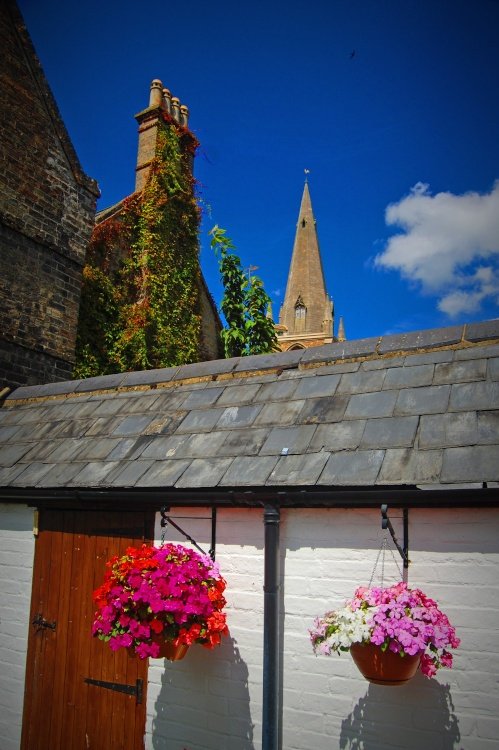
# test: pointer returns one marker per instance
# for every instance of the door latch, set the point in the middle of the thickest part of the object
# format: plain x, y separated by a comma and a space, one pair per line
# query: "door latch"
40, 623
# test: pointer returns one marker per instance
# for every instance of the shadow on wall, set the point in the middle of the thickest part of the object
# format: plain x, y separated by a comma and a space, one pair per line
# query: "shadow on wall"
204, 702
423, 706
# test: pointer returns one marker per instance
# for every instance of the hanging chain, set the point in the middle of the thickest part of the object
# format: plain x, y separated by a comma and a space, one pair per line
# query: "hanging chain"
382, 554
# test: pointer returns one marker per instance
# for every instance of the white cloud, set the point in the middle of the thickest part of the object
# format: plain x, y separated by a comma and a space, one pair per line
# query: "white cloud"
449, 246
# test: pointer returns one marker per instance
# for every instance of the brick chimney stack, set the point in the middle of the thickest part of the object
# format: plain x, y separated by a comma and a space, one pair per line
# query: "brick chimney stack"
163, 109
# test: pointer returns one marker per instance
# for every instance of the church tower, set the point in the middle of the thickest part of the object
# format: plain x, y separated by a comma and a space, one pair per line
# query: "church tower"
306, 317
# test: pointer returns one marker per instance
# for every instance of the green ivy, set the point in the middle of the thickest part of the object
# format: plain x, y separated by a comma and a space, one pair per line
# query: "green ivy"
140, 296
245, 304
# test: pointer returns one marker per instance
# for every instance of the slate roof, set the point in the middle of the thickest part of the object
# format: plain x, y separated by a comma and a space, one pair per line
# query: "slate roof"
419, 409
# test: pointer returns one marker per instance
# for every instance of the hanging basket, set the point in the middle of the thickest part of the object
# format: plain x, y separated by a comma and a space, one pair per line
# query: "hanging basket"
168, 650
384, 667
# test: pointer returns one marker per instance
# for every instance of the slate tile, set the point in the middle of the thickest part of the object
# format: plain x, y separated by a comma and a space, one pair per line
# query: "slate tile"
246, 442
11, 454
420, 339
193, 446
34, 414
289, 439
67, 450
319, 410
98, 449
205, 369
123, 449
298, 470
429, 358
149, 377
361, 382
140, 403
40, 451
461, 372
59, 475
238, 416
368, 405
164, 425
339, 368
139, 445
352, 468
170, 400
25, 391
487, 329
200, 420
133, 425
493, 366
477, 352
478, 463
36, 432
445, 430
204, 472
321, 385
108, 407
248, 470
73, 428
340, 436
408, 377
238, 394
390, 432
488, 426
100, 383
157, 447
128, 473
267, 361
164, 473
200, 398
102, 426
279, 413
8, 432
469, 396
58, 389
31, 475
382, 363
431, 400
406, 466
8, 474
281, 390
93, 474
340, 350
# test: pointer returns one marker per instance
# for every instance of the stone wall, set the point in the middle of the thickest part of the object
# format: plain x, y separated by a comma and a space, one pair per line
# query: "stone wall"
47, 206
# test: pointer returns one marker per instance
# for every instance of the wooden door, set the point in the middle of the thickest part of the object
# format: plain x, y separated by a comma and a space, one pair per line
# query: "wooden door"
66, 705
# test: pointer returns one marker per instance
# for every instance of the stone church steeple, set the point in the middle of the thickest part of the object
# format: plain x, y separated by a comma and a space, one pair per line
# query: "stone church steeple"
306, 317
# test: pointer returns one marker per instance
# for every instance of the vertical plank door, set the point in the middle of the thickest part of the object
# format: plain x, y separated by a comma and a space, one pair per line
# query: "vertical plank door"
79, 694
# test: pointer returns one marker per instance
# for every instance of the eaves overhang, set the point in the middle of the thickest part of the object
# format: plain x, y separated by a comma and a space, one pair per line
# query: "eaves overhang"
403, 496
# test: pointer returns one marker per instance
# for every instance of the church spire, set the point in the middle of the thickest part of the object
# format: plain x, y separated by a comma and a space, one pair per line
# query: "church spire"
307, 312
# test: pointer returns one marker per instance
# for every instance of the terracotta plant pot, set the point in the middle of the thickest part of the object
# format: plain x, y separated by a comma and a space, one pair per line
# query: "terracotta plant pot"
167, 650
384, 667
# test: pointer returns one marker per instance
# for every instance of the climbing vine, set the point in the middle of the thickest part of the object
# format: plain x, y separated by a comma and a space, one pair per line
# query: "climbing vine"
140, 295
245, 304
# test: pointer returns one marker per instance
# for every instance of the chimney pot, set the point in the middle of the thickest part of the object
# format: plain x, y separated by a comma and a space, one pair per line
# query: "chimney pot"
184, 115
176, 108
156, 95
167, 100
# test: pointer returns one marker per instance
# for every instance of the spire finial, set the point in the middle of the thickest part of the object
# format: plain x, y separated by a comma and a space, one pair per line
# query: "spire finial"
307, 172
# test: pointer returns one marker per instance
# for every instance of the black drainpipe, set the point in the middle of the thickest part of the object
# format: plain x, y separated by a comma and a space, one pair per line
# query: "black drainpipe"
270, 714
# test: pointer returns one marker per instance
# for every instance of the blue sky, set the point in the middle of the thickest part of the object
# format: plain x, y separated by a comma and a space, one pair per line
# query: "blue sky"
401, 137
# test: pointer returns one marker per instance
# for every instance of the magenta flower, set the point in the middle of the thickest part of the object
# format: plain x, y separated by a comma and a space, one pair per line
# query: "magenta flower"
401, 619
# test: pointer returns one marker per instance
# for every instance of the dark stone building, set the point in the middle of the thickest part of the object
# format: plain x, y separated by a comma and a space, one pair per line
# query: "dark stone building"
47, 208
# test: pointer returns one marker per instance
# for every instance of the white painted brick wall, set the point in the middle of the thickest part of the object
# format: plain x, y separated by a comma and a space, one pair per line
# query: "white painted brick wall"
212, 700
16, 571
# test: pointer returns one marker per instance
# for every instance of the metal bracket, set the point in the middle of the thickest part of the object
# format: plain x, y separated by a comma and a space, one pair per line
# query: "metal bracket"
387, 524
165, 520
136, 690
